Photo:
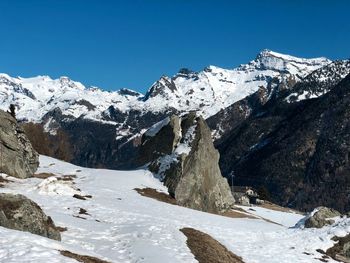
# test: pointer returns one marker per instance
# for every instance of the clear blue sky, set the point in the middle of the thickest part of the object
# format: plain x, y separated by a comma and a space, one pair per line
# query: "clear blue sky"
116, 44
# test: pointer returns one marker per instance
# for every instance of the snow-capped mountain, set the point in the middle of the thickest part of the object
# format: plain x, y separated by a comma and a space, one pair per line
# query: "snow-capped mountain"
320, 81
105, 127
206, 91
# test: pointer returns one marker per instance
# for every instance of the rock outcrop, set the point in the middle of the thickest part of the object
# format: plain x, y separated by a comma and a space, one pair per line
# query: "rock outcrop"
190, 167
20, 213
17, 156
168, 133
320, 217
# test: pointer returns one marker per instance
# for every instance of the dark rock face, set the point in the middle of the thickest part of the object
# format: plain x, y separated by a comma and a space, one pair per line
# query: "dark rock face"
163, 143
321, 217
20, 213
226, 120
298, 151
95, 144
18, 158
190, 170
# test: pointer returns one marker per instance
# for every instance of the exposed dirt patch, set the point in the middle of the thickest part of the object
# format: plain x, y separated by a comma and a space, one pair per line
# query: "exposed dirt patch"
61, 229
80, 217
275, 207
82, 211
153, 193
82, 258
70, 177
79, 197
206, 249
82, 197
44, 175
237, 214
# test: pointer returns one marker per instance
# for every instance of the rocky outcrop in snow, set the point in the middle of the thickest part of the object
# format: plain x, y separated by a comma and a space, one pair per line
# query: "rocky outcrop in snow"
320, 217
20, 213
17, 156
190, 170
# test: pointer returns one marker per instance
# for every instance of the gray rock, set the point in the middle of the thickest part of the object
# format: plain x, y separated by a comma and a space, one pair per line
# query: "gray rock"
20, 213
321, 218
163, 143
17, 156
191, 171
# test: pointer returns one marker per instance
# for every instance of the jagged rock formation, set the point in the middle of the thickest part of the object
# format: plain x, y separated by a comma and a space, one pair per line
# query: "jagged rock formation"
320, 217
188, 163
17, 156
20, 213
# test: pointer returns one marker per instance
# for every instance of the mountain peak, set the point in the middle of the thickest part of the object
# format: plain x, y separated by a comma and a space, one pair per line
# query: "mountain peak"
267, 53
271, 60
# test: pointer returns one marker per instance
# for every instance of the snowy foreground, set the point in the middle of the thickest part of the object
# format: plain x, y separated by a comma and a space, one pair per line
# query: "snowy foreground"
123, 226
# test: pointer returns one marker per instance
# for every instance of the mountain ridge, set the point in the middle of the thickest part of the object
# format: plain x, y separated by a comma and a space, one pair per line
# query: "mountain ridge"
105, 127
214, 87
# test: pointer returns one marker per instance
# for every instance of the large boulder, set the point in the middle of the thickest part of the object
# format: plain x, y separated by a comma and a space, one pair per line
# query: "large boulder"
320, 217
191, 171
20, 213
17, 156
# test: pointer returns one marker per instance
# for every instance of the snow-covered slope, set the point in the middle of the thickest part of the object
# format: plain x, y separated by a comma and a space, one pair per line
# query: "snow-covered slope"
123, 226
206, 91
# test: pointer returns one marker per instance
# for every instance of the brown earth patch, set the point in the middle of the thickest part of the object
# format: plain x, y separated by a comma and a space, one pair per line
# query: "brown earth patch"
237, 214
82, 258
43, 175
206, 249
278, 208
70, 177
82, 211
61, 229
81, 197
153, 193
80, 217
